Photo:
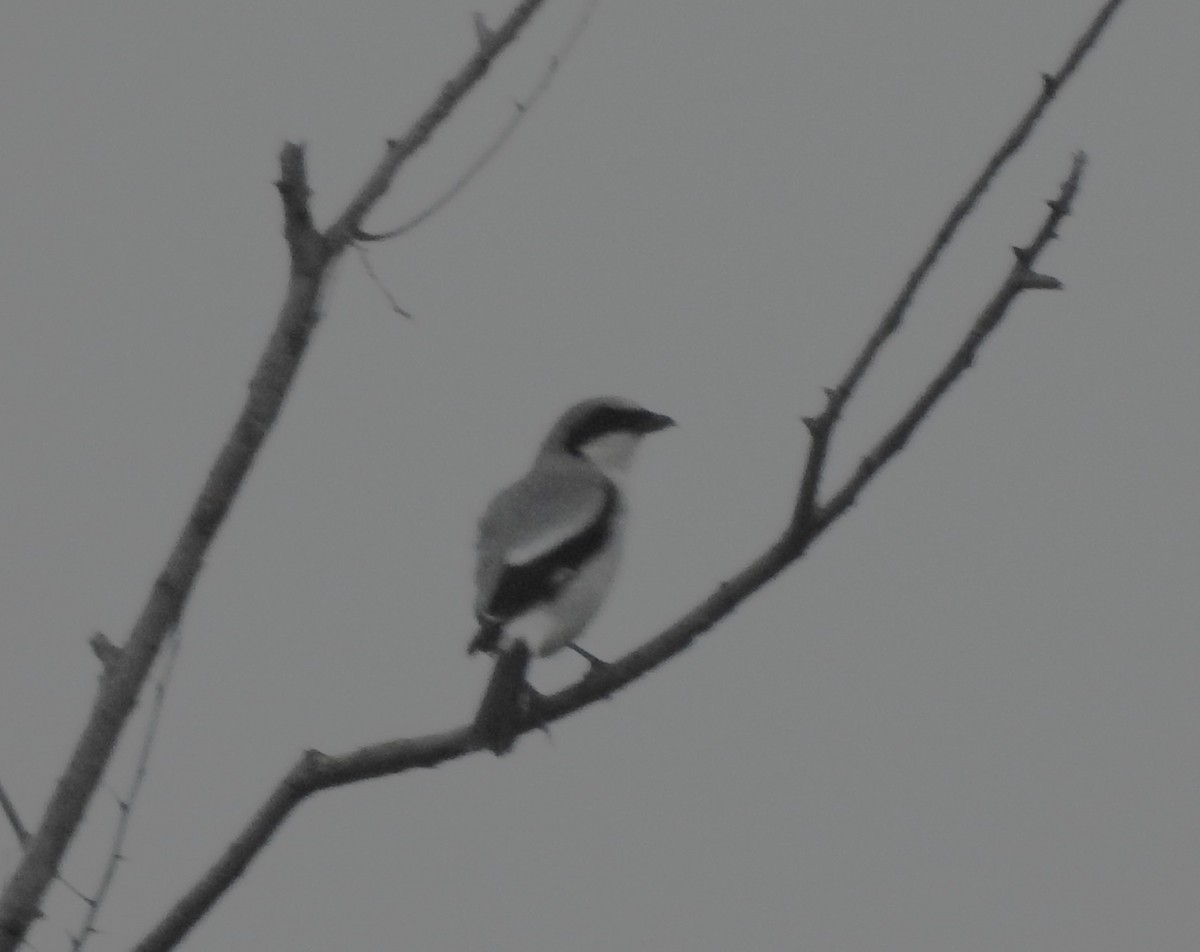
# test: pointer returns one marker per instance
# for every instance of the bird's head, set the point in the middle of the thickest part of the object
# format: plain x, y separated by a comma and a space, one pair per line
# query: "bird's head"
604, 430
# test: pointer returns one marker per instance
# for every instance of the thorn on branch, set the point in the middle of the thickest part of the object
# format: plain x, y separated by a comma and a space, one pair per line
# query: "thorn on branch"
305, 775
810, 424
1032, 280
1022, 255
108, 653
315, 761
483, 33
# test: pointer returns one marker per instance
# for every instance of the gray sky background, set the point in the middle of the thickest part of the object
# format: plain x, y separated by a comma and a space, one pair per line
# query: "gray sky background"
967, 720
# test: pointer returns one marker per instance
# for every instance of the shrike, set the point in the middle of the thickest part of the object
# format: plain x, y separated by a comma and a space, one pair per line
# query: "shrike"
549, 544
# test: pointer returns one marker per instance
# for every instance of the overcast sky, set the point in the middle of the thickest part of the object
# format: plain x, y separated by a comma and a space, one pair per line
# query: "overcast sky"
968, 719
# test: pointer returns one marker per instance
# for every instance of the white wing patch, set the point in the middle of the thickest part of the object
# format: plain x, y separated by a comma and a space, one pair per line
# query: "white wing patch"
554, 536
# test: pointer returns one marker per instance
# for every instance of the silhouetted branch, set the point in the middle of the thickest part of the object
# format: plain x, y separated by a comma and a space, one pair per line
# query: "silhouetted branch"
491, 43
313, 256
520, 110
499, 719
375, 279
125, 805
821, 427
1020, 278
316, 771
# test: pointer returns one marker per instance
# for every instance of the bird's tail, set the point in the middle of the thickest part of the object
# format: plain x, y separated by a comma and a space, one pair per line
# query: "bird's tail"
502, 709
487, 639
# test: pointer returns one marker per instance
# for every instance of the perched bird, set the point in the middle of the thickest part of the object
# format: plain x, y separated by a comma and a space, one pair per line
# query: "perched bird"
549, 544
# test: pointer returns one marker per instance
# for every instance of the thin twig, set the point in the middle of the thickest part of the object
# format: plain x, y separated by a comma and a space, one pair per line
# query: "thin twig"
311, 259
520, 111
115, 855
365, 258
313, 256
316, 771
14, 818
399, 151
821, 427
1020, 278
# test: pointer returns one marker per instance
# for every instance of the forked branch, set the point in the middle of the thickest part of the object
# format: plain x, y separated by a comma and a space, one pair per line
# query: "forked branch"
496, 726
521, 110
820, 427
314, 255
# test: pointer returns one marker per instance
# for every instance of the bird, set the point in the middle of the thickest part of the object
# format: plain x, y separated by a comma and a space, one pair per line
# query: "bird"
549, 544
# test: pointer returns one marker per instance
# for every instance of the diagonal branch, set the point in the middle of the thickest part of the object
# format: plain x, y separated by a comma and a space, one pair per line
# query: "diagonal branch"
125, 805
1020, 278
399, 151
313, 257
521, 109
821, 427
316, 771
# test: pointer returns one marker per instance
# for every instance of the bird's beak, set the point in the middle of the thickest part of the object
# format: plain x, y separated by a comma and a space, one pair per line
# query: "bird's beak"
658, 421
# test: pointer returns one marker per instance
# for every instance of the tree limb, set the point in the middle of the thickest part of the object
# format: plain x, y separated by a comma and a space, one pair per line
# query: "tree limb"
821, 427
313, 256
125, 805
398, 151
521, 109
494, 727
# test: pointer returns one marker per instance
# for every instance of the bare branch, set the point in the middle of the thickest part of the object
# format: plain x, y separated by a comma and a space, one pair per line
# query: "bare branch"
399, 151
894, 316
520, 111
820, 431
1019, 279
120, 686
500, 719
88, 926
365, 258
313, 255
